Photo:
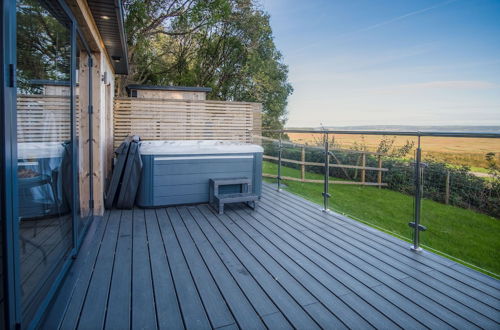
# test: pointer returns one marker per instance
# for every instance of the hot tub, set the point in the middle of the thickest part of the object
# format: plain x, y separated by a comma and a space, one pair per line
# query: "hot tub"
177, 172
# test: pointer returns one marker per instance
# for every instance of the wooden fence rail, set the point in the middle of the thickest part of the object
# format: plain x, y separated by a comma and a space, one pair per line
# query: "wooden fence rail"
164, 119
303, 163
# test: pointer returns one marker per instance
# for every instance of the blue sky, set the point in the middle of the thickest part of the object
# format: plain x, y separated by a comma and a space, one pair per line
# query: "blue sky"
390, 62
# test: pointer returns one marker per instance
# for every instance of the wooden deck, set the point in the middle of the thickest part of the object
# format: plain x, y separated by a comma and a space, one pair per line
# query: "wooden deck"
285, 265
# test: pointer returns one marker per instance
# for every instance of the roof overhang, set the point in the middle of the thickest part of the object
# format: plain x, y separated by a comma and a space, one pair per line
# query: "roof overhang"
170, 88
109, 17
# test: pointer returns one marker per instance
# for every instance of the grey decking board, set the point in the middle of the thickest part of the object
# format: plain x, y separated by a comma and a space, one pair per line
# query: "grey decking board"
290, 234
191, 305
459, 313
291, 309
465, 312
242, 309
389, 281
60, 303
356, 285
276, 321
94, 308
345, 313
324, 317
348, 249
167, 306
472, 291
296, 289
477, 275
373, 301
429, 256
377, 274
424, 274
369, 236
143, 302
450, 291
347, 243
383, 240
255, 294
232, 326
215, 305
322, 288
335, 257
429, 320
479, 294
281, 273
72, 314
468, 290
119, 299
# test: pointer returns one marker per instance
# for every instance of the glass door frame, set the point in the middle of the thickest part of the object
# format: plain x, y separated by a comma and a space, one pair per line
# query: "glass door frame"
8, 168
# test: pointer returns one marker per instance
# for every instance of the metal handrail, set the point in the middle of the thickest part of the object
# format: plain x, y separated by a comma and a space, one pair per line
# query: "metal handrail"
397, 133
417, 227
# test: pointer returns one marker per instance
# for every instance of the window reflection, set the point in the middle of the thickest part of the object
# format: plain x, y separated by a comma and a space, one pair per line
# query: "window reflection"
44, 147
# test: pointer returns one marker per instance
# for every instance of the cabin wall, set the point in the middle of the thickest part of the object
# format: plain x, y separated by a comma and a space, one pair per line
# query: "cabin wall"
102, 99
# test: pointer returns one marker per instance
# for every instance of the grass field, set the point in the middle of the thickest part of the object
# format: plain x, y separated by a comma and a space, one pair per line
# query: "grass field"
461, 233
456, 151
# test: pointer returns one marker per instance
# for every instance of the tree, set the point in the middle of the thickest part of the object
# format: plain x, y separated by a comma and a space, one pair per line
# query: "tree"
223, 44
43, 45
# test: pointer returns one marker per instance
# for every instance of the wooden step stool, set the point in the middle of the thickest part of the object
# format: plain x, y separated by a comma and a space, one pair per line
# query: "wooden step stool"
246, 195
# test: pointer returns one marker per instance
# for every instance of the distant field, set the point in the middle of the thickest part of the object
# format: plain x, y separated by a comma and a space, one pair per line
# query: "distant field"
457, 151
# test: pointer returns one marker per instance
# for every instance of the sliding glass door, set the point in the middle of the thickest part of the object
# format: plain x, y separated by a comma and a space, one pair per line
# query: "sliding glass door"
45, 153
44, 147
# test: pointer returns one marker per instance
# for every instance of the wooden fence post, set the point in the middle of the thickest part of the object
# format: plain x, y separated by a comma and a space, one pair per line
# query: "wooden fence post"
302, 165
447, 188
379, 173
363, 171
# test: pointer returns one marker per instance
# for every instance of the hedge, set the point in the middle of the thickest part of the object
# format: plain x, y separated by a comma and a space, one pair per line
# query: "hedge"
466, 190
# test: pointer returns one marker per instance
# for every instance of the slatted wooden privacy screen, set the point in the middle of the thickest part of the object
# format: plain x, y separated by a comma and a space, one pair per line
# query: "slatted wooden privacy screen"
43, 118
165, 119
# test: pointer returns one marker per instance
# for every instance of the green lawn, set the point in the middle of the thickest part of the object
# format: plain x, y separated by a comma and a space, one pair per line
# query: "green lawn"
464, 234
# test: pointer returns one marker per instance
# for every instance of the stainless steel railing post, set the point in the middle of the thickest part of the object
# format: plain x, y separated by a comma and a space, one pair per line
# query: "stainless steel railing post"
326, 195
280, 149
417, 227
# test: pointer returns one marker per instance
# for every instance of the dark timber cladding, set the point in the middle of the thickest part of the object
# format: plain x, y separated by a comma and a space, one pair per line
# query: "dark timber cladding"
284, 265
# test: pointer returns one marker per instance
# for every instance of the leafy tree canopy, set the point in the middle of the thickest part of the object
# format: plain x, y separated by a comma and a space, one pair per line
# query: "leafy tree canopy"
223, 44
